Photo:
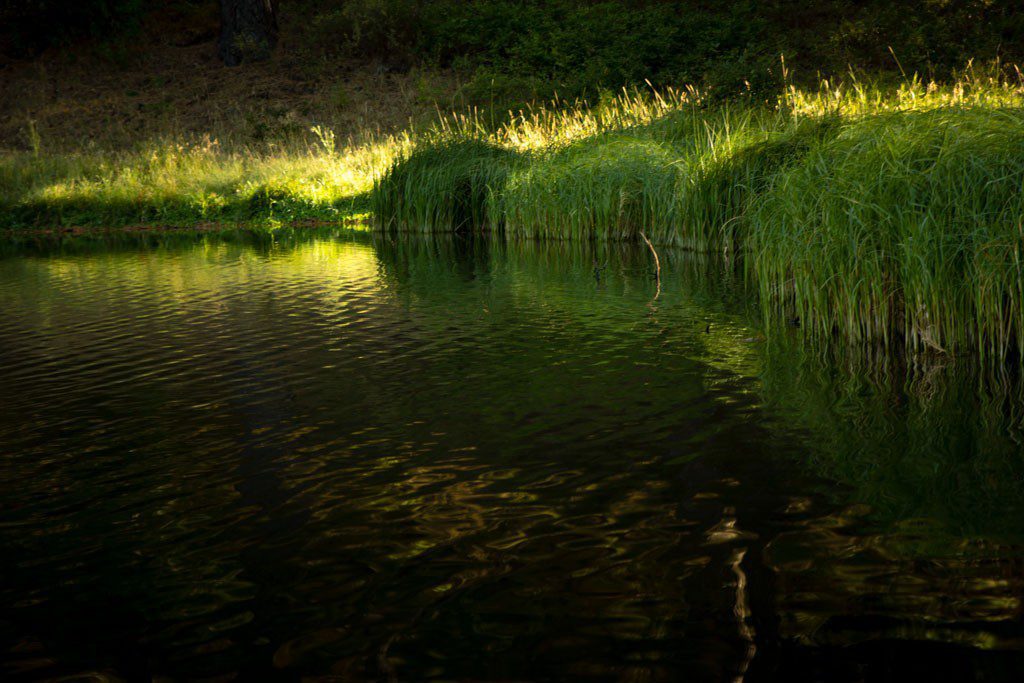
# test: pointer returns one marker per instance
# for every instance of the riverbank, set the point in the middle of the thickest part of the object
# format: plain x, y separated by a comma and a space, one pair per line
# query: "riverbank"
882, 215
887, 217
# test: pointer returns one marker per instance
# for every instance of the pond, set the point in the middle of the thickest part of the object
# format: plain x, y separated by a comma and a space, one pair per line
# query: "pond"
409, 458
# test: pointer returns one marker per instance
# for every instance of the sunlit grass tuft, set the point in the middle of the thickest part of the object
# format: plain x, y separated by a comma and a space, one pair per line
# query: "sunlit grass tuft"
178, 183
613, 187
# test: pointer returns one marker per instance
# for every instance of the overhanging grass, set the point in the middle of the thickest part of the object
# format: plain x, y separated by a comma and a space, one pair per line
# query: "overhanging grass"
739, 162
905, 228
894, 219
442, 186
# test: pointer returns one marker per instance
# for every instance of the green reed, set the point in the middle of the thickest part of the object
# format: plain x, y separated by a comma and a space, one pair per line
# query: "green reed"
904, 228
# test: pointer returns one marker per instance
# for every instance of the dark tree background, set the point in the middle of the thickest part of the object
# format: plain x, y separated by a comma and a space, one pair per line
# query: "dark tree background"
29, 26
574, 47
248, 30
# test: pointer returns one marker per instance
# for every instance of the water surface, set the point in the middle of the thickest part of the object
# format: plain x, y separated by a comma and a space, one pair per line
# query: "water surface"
444, 459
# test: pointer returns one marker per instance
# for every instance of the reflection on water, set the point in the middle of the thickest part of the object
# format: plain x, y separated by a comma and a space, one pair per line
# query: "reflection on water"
414, 459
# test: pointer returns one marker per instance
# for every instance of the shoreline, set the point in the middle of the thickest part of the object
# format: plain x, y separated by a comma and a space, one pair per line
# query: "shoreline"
199, 228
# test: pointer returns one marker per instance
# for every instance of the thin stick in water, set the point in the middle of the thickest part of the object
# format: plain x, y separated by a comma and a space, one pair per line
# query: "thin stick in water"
657, 263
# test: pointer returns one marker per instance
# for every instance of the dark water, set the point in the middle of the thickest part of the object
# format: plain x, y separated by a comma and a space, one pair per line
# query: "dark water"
351, 459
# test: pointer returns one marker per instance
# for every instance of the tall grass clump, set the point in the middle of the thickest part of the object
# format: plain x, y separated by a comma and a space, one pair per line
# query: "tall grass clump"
442, 186
611, 188
453, 178
683, 179
905, 228
732, 165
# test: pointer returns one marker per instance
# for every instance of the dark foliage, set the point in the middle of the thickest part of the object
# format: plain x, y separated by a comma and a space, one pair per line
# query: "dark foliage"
509, 51
28, 26
515, 50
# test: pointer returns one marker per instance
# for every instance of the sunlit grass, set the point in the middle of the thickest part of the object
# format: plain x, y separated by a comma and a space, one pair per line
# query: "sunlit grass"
612, 187
184, 182
442, 187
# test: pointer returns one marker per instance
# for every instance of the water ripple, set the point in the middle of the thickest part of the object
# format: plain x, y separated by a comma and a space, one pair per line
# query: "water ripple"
381, 460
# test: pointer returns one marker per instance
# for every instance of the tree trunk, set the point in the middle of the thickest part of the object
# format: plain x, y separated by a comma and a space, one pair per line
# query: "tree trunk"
248, 30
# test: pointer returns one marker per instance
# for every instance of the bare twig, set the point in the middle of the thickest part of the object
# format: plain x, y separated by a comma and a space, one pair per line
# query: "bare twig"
657, 263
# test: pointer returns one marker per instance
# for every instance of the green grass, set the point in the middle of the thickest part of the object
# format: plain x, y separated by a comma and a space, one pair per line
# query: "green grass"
181, 182
613, 188
442, 187
886, 217
905, 227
